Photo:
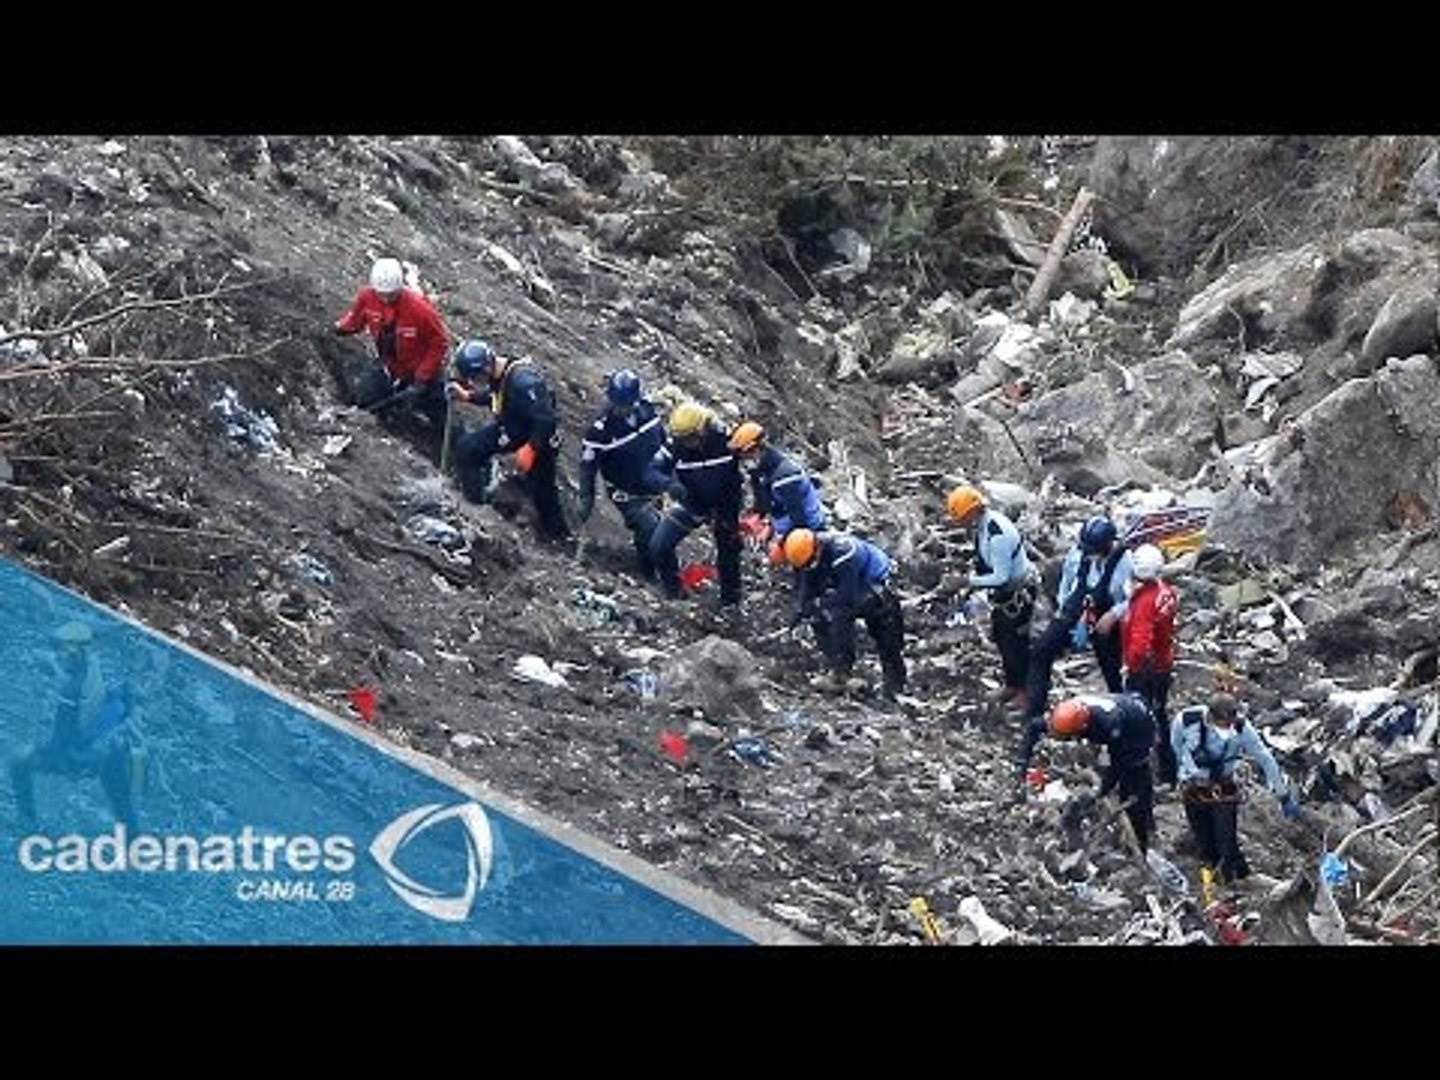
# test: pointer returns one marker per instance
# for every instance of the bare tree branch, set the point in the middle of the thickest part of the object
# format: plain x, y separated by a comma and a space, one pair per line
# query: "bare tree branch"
113, 365
121, 309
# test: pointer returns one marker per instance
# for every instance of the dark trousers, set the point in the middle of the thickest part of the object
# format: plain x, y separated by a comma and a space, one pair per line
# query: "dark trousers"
641, 517
1010, 631
474, 465
679, 523
421, 413
835, 633
1154, 689
1135, 783
1215, 826
1053, 643
112, 768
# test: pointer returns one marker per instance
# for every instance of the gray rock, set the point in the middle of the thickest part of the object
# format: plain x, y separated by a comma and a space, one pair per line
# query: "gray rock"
1166, 426
1254, 300
1360, 447
1424, 187
1404, 326
715, 675
1083, 273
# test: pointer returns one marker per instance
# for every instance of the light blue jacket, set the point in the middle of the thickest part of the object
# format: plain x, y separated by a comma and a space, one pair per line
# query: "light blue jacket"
1000, 551
1203, 755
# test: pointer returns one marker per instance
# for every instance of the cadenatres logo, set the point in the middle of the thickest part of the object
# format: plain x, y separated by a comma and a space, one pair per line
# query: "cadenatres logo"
478, 854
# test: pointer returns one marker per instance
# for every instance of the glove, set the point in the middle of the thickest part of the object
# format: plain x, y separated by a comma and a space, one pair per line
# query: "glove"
1079, 635
1289, 806
457, 392
525, 458
677, 492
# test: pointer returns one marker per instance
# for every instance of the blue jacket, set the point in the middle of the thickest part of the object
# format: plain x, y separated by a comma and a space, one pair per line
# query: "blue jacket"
1202, 754
784, 493
628, 450
845, 572
524, 405
1000, 557
1120, 722
1104, 582
707, 472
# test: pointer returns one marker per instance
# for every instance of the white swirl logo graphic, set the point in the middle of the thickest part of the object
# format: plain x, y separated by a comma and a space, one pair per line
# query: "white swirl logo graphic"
478, 855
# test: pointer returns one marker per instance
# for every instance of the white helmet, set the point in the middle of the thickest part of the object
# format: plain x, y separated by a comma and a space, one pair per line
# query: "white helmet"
1147, 562
386, 276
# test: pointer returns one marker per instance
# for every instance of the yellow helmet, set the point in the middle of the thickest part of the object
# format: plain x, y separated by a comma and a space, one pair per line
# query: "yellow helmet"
748, 436
963, 501
799, 548
688, 418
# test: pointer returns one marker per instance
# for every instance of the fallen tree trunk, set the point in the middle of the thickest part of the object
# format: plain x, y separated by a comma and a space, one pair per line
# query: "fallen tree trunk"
1040, 287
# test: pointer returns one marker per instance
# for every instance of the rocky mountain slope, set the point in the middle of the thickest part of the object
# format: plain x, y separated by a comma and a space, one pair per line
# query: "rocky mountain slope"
176, 442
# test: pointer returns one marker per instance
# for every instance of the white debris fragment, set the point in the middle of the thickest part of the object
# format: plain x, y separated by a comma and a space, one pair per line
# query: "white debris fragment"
990, 931
532, 668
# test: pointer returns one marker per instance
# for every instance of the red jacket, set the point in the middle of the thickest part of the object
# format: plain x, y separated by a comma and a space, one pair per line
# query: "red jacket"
1149, 628
420, 341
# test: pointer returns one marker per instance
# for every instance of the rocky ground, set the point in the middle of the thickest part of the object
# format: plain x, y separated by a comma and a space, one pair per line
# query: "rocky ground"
176, 443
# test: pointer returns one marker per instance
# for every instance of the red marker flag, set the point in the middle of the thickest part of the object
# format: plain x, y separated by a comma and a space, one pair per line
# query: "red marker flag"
363, 698
675, 746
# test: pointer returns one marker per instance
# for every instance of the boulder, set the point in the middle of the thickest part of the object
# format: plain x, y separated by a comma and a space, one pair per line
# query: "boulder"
716, 676
1335, 473
1092, 429
1404, 326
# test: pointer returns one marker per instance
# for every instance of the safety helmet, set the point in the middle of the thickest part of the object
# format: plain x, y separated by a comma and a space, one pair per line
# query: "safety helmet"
474, 358
73, 633
748, 436
963, 501
1070, 717
800, 548
1097, 536
688, 418
387, 276
622, 387
777, 553
1147, 562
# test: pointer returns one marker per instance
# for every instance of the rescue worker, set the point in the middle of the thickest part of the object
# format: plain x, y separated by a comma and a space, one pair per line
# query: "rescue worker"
1123, 725
94, 733
410, 344
1002, 567
1148, 648
626, 445
1209, 742
780, 487
1089, 604
523, 422
707, 487
841, 579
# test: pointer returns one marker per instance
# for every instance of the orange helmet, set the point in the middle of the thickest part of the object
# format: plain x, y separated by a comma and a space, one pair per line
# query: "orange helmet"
1071, 717
963, 501
800, 548
777, 553
748, 436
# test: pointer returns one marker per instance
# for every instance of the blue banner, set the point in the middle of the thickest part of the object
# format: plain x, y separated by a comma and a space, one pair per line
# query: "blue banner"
152, 796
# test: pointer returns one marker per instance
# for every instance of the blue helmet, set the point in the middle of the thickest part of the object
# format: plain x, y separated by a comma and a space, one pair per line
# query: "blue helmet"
1097, 536
622, 387
474, 358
